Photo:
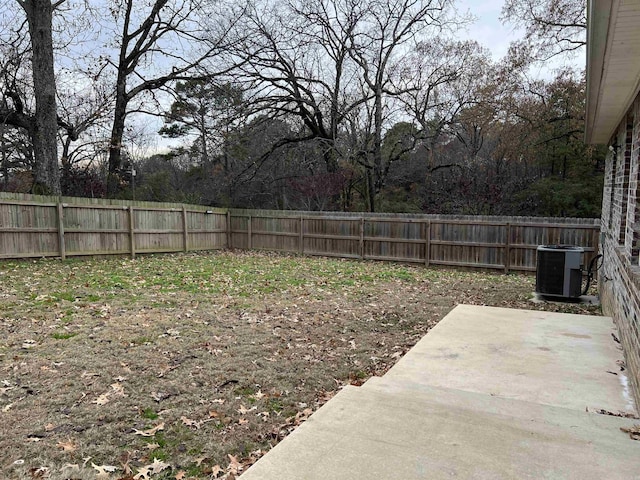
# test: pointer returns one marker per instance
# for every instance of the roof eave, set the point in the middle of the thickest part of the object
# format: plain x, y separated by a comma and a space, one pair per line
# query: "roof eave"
598, 20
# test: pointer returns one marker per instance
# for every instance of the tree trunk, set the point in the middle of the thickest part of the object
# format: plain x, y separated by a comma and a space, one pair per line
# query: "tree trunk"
45, 147
65, 179
5, 159
117, 132
371, 190
120, 112
204, 154
376, 180
330, 158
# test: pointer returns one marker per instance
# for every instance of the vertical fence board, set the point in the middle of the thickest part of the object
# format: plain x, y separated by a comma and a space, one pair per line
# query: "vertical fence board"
427, 243
185, 230
301, 240
132, 233
61, 245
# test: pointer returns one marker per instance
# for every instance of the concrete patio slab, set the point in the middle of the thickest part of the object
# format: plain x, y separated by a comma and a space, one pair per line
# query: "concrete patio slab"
543, 357
489, 393
369, 434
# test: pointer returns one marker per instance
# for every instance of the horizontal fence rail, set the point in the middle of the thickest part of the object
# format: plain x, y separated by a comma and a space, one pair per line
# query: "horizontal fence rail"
33, 226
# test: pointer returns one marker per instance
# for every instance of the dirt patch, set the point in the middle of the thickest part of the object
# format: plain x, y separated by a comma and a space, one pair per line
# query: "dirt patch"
193, 366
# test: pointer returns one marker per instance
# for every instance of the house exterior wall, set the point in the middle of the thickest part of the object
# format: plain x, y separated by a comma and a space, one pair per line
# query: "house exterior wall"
619, 276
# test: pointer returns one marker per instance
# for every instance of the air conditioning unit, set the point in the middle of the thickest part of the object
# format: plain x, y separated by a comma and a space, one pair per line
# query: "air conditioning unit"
559, 270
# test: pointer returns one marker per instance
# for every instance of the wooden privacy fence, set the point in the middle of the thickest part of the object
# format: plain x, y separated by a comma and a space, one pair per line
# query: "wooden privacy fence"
75, 227
504, 243
33, 226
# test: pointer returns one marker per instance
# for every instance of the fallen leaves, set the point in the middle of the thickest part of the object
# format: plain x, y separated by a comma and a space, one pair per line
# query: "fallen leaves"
39, 472
195, 424
216, 470
117, 390
102, 399
67, 446
634, 432
144, 473
302, 416
235, 467
160, 396
258, 395
150, 432
244, 410
4, 390
104, 471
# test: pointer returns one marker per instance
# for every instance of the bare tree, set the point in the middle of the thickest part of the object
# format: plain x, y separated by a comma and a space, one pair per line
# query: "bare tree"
337, 67
295, 60
168, 41
552, 27
446, 77
88, 110
381, 48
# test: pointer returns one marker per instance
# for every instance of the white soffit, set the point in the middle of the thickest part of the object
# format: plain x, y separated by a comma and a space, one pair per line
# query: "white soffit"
613, 65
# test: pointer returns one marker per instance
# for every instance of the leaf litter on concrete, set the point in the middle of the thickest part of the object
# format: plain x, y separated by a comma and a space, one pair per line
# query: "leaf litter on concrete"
192, 366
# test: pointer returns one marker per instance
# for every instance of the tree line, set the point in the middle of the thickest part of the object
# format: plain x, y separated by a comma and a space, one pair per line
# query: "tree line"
320, 105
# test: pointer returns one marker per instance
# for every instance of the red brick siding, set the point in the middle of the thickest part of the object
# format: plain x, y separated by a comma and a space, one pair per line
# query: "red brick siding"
620, 274
633, 214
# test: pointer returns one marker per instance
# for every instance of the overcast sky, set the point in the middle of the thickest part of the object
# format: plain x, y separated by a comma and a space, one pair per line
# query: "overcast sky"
488, 30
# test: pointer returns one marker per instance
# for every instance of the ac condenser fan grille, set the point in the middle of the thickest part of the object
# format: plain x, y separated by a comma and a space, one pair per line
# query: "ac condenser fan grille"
559, 270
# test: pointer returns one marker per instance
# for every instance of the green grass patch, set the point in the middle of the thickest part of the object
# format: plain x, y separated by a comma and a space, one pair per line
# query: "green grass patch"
68, 296
159, 454
245, 391
149, 413
275, 405
63, 335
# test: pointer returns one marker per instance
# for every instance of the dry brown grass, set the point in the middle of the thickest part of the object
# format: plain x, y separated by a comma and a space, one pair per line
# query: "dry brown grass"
200, 362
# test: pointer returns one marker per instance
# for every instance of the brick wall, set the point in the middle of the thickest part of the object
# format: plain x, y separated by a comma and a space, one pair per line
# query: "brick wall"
620, 273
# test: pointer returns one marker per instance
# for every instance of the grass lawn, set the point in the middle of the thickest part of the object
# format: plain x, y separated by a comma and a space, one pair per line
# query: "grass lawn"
194, 365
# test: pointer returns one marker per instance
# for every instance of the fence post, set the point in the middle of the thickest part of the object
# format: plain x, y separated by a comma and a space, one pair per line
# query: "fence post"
61, 244
249, 233
301, 241
362, 238
427, 243
229, 233
185, 231
507, 248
